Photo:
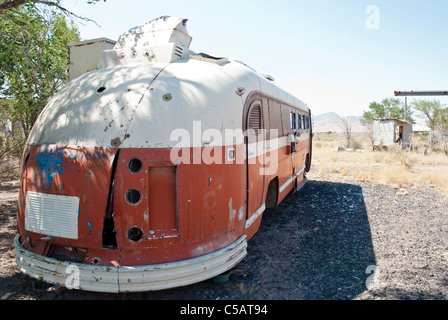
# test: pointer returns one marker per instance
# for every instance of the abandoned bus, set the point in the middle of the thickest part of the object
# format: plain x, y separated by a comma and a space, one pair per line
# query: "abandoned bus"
152, 169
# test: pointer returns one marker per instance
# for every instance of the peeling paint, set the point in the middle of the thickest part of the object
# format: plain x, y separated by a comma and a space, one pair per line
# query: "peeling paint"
50, 165
115, 142
232, 214
241, 214
232, 211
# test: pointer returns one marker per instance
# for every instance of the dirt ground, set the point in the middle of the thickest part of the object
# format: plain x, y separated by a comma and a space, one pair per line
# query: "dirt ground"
332, 240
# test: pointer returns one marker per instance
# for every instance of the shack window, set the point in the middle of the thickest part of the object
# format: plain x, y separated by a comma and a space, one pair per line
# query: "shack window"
254, 123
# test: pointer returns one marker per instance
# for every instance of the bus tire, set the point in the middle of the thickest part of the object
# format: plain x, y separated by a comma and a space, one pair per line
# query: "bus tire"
272, 194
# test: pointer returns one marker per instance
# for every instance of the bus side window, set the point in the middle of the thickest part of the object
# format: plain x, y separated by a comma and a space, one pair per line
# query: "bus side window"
275, 118
299, 121
286, 121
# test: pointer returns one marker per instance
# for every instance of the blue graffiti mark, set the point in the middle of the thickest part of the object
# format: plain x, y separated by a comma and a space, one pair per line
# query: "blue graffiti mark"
50, 164
89, 224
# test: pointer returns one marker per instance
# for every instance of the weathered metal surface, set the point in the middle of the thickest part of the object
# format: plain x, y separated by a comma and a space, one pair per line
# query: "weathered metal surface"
84, 56
169, 180
132, 278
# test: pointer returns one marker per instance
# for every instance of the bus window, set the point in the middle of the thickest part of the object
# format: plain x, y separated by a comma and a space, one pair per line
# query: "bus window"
299, 121
285, 112
292, 116
275, 118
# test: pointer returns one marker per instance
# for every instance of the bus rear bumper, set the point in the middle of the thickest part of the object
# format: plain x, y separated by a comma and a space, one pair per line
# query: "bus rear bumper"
129, 279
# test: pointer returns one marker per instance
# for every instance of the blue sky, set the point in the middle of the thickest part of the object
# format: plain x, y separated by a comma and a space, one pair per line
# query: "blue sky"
325, 52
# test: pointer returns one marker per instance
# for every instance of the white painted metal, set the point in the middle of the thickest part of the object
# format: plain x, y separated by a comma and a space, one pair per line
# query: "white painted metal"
53, 215
255, 215
124, 103
84, 55
291, 179
129, 279
162, 40
159, 31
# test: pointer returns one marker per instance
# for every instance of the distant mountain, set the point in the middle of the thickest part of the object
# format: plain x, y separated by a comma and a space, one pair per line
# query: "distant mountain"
331, 121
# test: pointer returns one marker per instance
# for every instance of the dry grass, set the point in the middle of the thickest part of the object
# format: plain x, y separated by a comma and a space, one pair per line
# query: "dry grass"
395, 167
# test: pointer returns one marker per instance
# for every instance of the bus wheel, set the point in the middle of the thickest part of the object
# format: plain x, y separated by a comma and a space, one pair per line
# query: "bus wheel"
272, 194
307, 163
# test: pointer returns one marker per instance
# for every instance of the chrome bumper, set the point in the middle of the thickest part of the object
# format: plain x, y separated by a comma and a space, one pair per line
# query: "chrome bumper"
129, 279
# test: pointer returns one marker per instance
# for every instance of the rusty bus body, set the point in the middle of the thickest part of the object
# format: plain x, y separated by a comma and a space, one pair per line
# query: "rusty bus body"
153, 170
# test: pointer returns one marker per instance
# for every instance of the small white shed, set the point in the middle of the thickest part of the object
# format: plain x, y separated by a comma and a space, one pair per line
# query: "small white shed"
387, 132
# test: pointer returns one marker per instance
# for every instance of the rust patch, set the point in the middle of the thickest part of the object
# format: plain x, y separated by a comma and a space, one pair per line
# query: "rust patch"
115, 142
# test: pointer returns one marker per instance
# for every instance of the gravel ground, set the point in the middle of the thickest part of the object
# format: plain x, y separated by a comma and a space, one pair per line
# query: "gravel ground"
332, 240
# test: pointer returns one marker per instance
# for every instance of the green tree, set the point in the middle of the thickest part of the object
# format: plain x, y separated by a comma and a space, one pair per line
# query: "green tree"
33, 60
435, 114
11, 4
388, 108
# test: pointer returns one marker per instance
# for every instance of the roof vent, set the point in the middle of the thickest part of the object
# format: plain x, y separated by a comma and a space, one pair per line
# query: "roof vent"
163, 40
159, 31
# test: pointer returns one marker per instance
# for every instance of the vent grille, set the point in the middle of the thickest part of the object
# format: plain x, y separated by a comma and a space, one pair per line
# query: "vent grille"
178, 51
254, 119
53, 215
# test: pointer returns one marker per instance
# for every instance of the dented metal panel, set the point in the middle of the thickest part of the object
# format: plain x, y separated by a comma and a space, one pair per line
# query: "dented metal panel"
132, 278
152, 147
96, 109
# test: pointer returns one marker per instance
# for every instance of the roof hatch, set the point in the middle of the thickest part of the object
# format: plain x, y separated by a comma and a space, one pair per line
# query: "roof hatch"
164, 40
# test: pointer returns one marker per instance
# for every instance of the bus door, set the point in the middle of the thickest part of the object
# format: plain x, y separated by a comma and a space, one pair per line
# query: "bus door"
296, 146
255, 158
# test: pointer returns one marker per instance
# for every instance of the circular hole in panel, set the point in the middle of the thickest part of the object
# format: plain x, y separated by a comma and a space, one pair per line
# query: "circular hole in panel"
101, 89
133, 196
167, 97
135, 234
135, 165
